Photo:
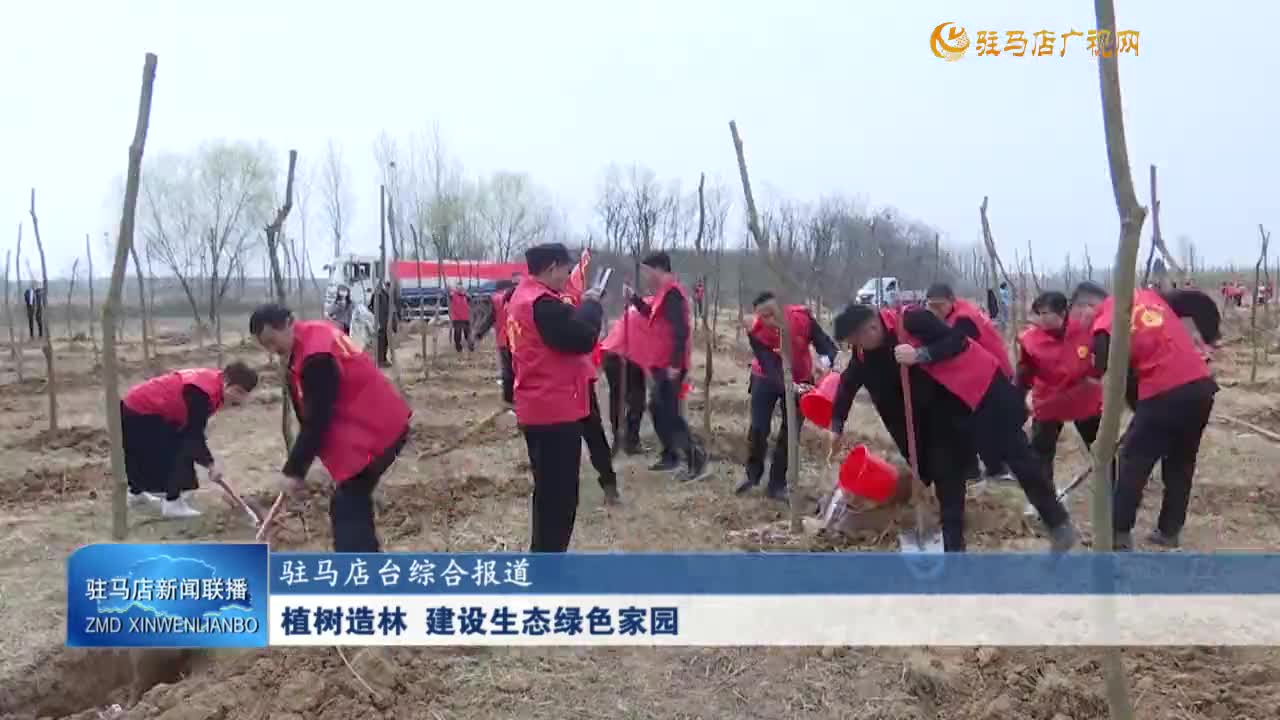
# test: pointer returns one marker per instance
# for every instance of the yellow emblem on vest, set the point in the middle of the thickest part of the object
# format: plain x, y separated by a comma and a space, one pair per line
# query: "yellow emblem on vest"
1148, 317
1082, 352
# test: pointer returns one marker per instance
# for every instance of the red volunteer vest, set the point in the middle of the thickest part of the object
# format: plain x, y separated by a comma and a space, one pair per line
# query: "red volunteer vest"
1058, 392
500, 319
988, 334
661, 338
967, 375
1161, 352
459, 308
798, 323
550, 386
368, 413
162, 395
629, 337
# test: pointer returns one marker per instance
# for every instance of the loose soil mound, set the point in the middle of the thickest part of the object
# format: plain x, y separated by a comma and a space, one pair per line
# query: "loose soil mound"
52, 484
85, 440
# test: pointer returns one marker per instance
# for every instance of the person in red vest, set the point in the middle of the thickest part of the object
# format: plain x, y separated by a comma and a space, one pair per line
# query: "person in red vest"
670, 336
163, 421
352, 418
947, 425
623, 351
497, 319
969, 320
983, 404
551, 343
1052, 364
460, 316
766, 388
1171, 391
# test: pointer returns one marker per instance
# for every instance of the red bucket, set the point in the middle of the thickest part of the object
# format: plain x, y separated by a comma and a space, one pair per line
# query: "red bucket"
817, 404
868, 476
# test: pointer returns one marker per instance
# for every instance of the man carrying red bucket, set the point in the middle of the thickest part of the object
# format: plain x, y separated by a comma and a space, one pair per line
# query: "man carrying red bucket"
766, 387
960, 399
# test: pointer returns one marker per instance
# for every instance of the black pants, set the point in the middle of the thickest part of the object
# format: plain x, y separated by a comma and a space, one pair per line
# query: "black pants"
351, 507
598, 442
555, 456
155, 456
1165, 429
614, 366
1044, 438
461, 331
664, 404
764, 398
997, 434
31, 322
508, 375
382, 346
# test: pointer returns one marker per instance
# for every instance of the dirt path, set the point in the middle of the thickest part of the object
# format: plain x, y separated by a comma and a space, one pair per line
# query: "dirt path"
54, 497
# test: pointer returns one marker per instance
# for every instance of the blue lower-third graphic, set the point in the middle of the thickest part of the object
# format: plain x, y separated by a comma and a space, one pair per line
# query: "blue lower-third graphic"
205, 595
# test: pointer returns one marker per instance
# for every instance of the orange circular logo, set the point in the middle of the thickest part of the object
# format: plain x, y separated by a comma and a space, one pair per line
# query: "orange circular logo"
1082, 352
952, 47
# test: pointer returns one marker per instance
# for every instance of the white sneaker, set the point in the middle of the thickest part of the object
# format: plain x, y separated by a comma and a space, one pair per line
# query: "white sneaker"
178, 509
144, 501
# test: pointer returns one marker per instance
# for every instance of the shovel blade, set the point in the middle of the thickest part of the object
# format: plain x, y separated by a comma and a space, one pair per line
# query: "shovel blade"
913, 542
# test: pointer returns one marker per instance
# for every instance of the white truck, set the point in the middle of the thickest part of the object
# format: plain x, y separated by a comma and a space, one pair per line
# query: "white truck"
886, 292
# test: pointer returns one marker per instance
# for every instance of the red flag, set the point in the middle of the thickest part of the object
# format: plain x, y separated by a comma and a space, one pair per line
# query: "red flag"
578, 277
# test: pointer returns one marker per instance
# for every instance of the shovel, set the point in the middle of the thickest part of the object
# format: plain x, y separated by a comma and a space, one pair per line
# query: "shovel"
231, 492
271, 515
917, 540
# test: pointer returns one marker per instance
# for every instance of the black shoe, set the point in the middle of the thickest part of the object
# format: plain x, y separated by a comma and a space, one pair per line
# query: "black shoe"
632, 447
666, 464
1169, 541
697, 468
777, 493
611, 496
746, 485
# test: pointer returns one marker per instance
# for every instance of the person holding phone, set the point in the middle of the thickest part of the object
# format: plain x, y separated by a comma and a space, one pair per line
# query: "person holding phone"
551, 343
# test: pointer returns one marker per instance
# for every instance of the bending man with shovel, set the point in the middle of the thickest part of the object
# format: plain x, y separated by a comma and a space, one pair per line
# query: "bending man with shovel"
163, 421
352, 419
972, 404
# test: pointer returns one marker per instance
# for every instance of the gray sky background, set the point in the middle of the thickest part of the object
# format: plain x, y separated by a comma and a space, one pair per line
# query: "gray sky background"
831, 97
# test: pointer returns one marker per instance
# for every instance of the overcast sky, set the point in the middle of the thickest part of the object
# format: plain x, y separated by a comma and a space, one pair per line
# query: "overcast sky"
831, 97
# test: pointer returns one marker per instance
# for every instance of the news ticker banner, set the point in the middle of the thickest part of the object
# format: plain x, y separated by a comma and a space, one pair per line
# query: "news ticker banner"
243, 596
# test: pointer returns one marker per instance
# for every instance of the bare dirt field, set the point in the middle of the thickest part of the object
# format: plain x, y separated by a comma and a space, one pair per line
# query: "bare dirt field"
55, 490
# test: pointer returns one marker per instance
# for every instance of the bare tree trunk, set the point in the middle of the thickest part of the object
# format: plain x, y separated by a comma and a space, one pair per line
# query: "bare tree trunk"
786, 285
71, 291
52, 379
996, 263
273, 241
93, 338
1253, 306
111, 308
15, 345
423, 325
142, 309
1157, 239
15, 353
706, 328
393, 293
1131, 217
